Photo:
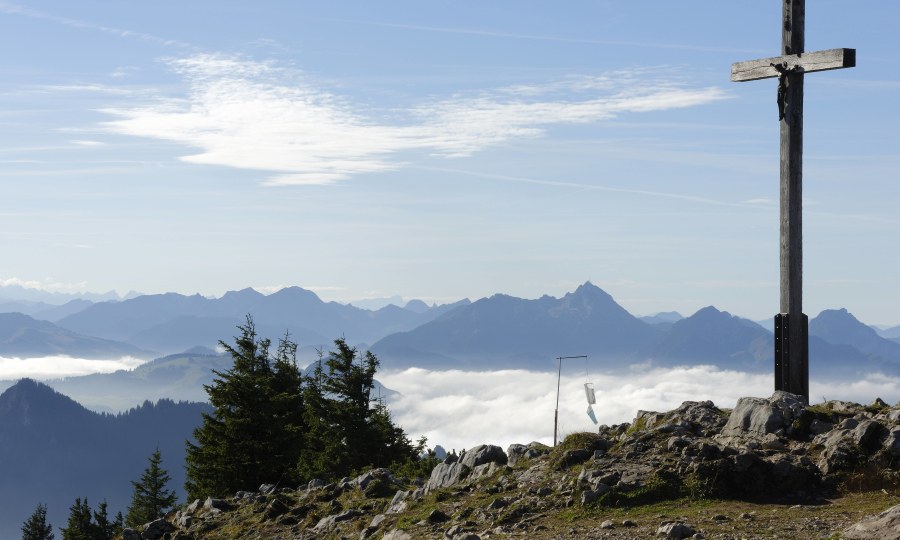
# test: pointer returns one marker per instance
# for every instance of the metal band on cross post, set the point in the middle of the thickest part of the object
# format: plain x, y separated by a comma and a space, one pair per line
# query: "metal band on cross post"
791, 325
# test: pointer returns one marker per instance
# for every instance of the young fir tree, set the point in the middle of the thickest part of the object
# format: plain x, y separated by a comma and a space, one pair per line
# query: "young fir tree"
346, 430
84, 524
36, 526
104, 529
255, 431
80, 525
151, 499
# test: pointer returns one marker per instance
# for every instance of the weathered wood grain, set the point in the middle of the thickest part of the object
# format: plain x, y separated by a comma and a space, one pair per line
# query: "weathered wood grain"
764, 68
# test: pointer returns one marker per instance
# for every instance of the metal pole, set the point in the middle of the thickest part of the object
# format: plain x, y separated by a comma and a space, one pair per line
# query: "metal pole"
558, 377
556, 411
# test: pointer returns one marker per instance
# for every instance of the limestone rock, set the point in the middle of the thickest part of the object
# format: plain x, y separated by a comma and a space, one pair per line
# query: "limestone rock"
675, 530
481, 454
157, 529
754, 418
216, 504
328, 522
884, 526
275, 509
444, 475
397, 534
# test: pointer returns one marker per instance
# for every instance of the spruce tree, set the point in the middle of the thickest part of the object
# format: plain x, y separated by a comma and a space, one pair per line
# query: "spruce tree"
84, 524
347, 429
36, 526
151, 499
80, 525
255, 430
104, 529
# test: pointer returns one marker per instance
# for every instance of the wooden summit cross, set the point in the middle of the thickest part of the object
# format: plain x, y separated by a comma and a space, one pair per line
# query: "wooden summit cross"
791, 325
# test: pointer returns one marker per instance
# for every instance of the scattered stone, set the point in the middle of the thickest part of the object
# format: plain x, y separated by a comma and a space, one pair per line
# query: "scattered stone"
327, 523
574, 456
588, 496
377, 521
216, 504
315, 483
397, 534
275, 509
436, 516
157, 529
675, 530
193, 507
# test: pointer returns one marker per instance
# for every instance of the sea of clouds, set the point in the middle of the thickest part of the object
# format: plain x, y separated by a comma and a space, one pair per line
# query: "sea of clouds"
461, 409
55, 367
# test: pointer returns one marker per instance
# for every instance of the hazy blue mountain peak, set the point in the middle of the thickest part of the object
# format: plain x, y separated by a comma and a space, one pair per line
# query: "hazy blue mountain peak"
296, 293
417, 306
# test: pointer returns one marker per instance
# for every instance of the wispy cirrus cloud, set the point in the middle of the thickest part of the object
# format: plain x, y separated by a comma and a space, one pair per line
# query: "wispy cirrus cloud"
258, 116
11, 8
539, 37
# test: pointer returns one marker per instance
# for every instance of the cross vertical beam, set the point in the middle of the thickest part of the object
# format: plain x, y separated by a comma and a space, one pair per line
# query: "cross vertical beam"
791, 325
795, 361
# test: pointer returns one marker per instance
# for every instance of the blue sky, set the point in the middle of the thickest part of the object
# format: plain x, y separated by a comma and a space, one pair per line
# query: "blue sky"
443, 150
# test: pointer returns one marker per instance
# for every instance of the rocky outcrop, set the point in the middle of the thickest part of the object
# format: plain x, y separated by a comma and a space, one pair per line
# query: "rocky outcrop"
772, 449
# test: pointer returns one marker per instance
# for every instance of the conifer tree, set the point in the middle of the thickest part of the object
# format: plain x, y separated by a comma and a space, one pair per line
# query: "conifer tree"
80, 525
255, 430
104, 529
347, 429
151, 499
84, 524
36, 526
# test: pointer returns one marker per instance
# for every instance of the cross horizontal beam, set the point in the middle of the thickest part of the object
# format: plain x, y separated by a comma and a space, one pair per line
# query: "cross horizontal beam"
764, 68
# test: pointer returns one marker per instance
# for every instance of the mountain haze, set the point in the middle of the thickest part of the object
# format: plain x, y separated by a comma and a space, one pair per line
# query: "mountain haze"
713, 336
22, 336
53, 450
507, 332
172, 322
840, 327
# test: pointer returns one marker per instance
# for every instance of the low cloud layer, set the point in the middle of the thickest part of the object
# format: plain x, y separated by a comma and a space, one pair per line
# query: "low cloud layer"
459, 409
255, 115
54, 367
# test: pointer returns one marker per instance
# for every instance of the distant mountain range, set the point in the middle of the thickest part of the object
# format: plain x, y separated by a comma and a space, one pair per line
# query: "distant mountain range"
506, 332
492, 333
53, 450
19, 293
169, 323
24, 337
